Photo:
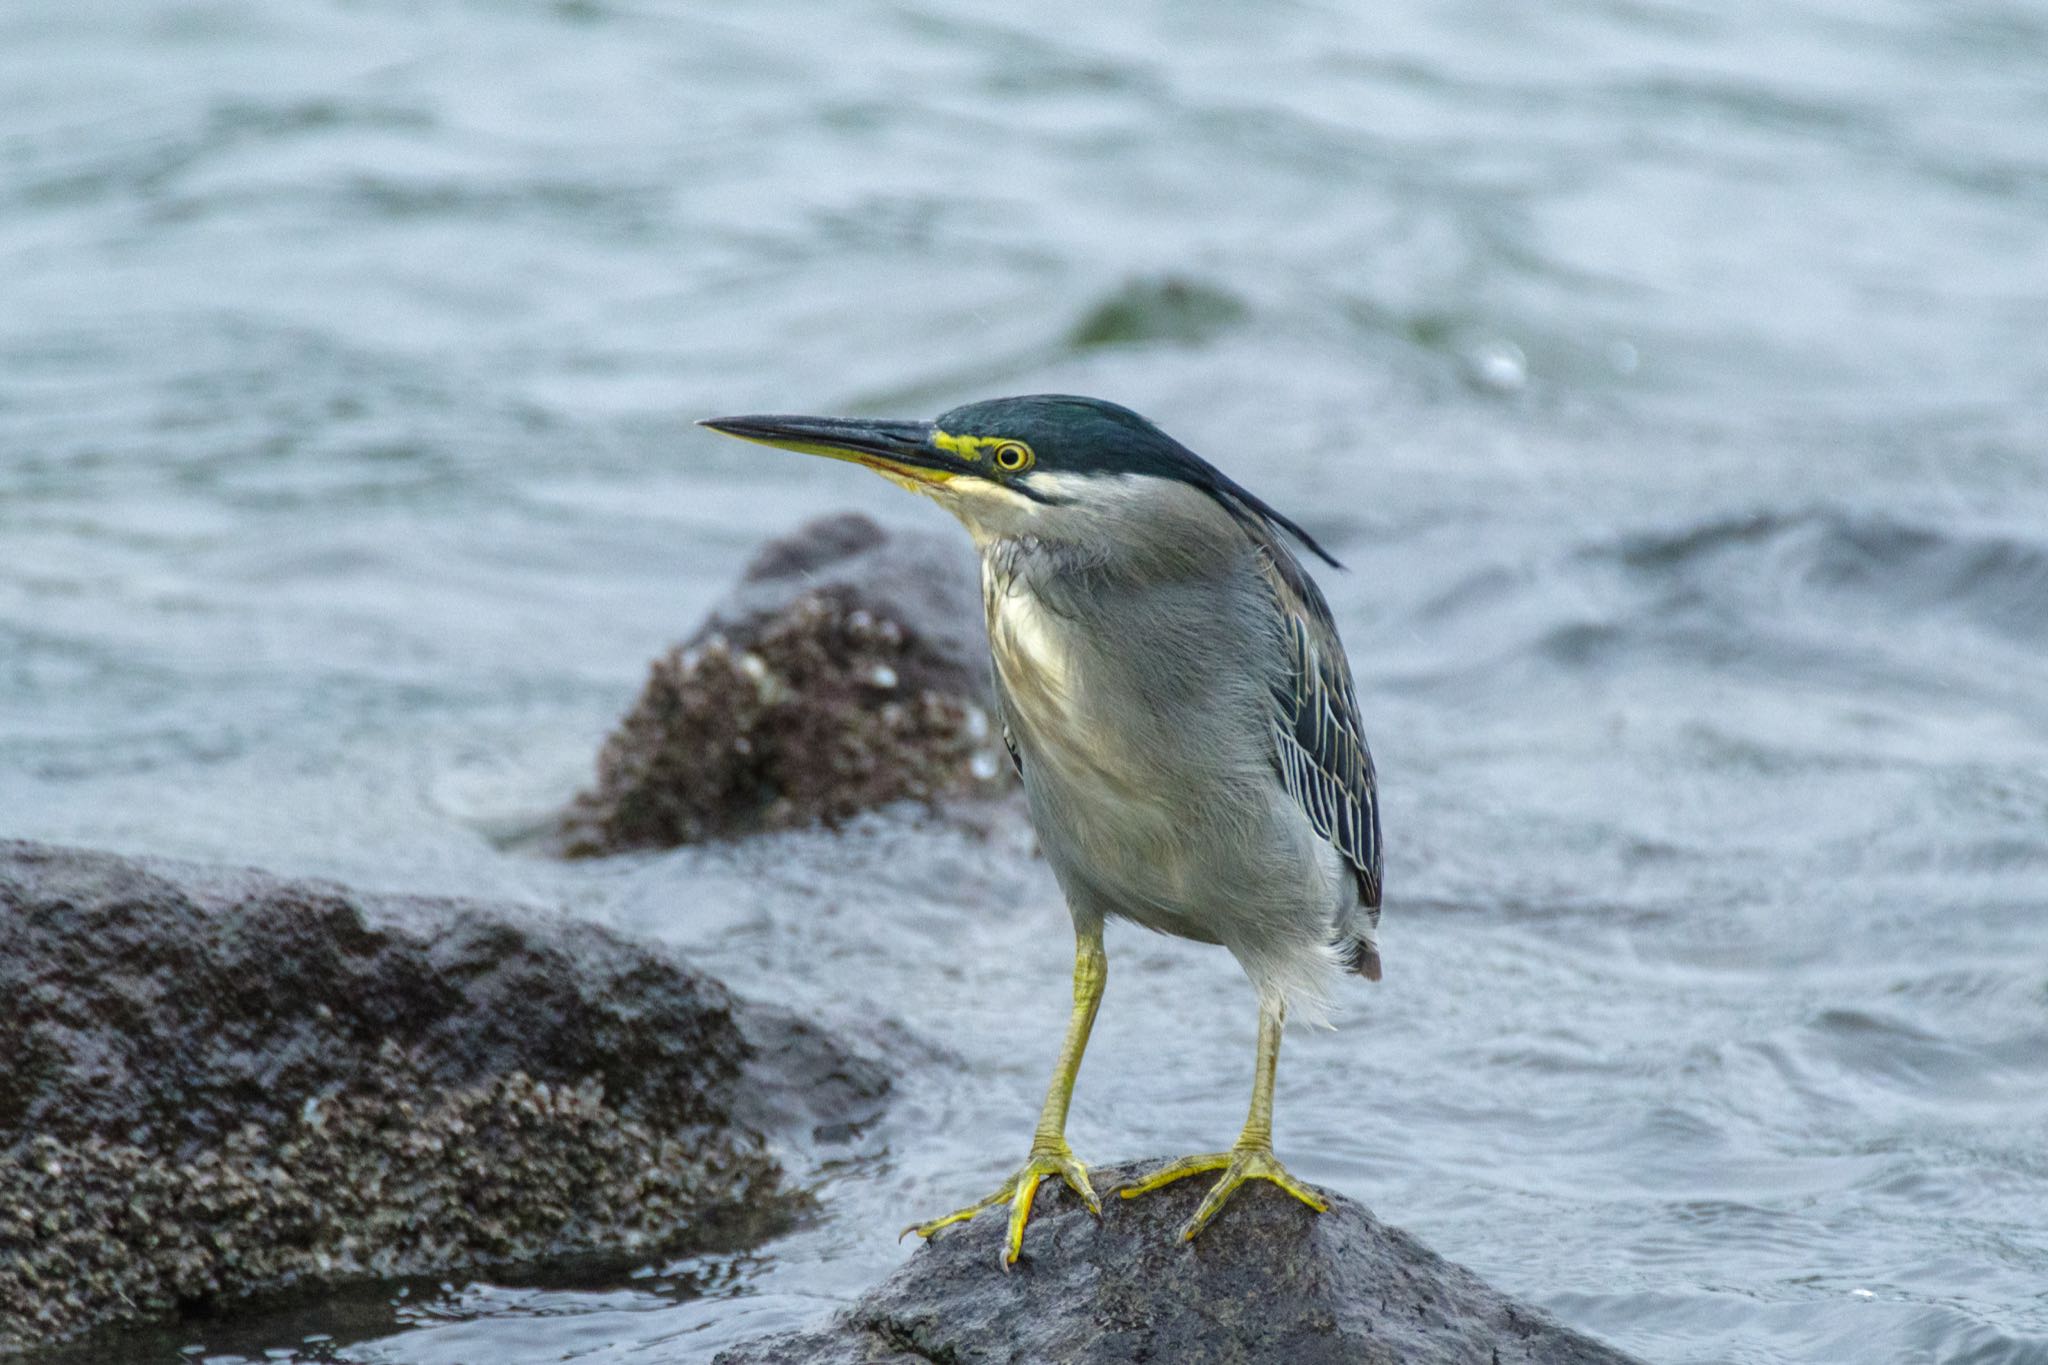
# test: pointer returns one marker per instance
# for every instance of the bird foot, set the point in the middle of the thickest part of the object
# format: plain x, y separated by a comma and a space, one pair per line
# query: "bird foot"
1046, 1159
1241, 1163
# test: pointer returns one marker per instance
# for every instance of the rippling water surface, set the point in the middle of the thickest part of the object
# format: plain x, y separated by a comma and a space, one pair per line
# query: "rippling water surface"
1670, 375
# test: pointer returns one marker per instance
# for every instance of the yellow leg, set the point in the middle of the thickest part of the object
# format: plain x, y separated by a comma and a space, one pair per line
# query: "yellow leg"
1050, 1154
1252, 1158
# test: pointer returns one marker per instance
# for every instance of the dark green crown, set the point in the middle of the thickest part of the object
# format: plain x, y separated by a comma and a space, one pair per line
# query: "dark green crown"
1070, 434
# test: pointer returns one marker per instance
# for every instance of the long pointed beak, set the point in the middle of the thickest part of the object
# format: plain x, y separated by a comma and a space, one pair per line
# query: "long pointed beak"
901, 450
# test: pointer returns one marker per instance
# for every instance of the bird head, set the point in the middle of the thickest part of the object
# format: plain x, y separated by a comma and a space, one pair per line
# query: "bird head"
1032, 465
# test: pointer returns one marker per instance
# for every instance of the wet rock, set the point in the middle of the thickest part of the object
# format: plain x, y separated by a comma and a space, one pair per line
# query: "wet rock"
845, 671
1267, 1281
1169, 308
219, 1082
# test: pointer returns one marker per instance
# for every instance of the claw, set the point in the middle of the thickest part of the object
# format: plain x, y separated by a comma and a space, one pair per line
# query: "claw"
1239, 1165
1019, 1191
957, 1216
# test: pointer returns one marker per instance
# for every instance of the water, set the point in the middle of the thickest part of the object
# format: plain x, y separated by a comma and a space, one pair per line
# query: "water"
1669, 375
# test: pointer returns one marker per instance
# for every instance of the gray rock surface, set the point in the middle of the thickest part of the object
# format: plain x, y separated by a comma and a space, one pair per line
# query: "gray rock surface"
1268, 1281
847, 669
219, 1081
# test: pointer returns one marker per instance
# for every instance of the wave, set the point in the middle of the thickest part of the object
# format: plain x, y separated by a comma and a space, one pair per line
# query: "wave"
1830, 595
1868, 564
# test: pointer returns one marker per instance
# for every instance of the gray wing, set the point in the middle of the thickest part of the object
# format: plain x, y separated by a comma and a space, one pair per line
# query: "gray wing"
1323, 759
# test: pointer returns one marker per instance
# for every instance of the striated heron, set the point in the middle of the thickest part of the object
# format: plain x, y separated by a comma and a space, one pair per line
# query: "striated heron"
1174, 695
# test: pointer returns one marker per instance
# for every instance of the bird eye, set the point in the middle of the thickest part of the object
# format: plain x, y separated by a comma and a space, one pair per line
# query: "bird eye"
1012, 456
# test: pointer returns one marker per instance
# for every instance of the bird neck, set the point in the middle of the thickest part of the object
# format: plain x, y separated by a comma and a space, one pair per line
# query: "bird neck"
1172, 539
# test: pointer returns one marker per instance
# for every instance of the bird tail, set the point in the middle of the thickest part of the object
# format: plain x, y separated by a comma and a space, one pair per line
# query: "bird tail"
1362, 955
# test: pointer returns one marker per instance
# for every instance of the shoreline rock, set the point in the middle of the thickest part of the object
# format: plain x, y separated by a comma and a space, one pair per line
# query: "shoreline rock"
846, 670
1267, 1281
221, 1082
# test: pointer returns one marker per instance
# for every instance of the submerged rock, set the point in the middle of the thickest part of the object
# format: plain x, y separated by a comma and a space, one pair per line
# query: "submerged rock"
846, 670
1267, 1281
1172, 308
219, 1082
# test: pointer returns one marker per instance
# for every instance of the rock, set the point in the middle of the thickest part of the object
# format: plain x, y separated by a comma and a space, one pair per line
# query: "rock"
1170, 308
219, 1082
846, 670
1267, 1281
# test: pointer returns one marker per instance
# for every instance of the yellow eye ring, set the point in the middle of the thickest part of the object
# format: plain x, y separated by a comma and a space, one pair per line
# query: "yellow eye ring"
1013, 457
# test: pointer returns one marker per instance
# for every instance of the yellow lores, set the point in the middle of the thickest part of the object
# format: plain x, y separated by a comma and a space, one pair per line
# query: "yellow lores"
1012, 457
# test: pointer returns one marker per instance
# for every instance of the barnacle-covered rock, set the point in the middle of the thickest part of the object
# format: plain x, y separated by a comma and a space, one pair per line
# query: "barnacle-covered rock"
219, 1082
846, 670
